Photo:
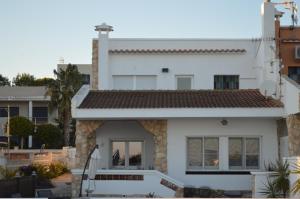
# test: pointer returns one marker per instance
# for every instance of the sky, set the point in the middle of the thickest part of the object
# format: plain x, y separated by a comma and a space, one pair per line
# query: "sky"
35, 34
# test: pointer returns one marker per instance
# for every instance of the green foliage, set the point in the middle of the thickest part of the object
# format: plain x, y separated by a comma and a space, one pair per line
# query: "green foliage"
296, 186
43, 81
278, 184
51, 171
49, 135
24, 79
65, 86
4, 81
270, 190
7, 174
21, 126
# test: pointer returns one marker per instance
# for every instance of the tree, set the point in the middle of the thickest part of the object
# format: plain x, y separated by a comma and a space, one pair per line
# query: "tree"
21, 127
49, 135
43, 81
65, 86
24, 79
4, 81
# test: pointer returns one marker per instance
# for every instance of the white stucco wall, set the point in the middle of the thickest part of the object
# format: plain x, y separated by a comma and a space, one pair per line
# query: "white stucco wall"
123, 130
203, 67
180, 129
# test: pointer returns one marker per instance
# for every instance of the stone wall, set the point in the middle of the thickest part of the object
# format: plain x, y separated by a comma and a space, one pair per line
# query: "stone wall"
95, 65
85, 139
158, 128
293, 125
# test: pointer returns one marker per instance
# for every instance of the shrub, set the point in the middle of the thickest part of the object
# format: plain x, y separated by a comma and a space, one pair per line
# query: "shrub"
51, 171
6, 173
49, 135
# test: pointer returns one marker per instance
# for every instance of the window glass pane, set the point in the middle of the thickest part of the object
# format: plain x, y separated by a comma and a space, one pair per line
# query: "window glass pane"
252, 153
235, 153
211, 153
135, 153
118, 153
184, 83
14, 111
294, 73
226, 82
123, 82
40, 114
194, 149
85, 78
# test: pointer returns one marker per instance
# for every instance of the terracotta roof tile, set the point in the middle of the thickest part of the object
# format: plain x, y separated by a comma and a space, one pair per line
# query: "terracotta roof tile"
114, 99
202, 51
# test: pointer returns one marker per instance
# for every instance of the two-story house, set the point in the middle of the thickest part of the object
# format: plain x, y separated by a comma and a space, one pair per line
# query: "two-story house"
174, 113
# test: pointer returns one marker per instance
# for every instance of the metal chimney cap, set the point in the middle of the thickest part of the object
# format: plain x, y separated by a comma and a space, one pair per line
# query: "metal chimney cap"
104, 27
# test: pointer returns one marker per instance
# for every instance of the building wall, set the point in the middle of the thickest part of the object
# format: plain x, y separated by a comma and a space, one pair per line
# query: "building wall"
123, 130
24, 110
203, 67
287, 49
180, 129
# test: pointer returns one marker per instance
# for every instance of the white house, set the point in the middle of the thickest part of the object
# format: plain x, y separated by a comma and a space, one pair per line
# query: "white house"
175, 113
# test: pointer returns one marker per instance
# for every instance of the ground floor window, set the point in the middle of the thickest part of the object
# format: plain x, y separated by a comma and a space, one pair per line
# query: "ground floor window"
203, 153
127, 154
244, 153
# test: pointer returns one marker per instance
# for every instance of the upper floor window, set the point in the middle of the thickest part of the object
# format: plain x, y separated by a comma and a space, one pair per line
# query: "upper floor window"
14, 111
184, 82
85, 78
40, 114
226, 82
134, 82
294, 74
202, 153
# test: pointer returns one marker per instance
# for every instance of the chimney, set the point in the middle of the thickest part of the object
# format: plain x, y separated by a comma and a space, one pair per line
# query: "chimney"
104, 74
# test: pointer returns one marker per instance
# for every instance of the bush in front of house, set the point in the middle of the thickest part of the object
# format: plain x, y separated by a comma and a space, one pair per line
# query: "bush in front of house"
51, 171
21, 127
50, 135
45, 171
7, 173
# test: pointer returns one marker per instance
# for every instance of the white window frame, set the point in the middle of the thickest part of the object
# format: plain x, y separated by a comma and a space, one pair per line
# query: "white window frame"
127, 166
203, 167
184, 76
244, 166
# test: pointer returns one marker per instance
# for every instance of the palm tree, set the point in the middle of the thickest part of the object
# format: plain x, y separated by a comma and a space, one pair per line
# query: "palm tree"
65, 86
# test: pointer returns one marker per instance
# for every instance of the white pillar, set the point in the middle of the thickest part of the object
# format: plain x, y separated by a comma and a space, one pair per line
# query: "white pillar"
30, 110
104, 74
293, 163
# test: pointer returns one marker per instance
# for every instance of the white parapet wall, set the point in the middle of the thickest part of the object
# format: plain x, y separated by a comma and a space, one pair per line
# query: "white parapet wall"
130, 183
259, 181
290, 96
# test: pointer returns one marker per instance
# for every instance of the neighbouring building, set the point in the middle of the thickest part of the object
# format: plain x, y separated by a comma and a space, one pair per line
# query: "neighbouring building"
27, 101
175, 113
84, 69
288, 45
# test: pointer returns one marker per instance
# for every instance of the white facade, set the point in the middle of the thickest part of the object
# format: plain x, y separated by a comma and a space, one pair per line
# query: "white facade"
181, 129
157, 64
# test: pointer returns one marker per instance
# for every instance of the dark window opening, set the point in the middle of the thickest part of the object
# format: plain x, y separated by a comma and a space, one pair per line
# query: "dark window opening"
14, 111
40, 114
223, 82
294, 74
85, 79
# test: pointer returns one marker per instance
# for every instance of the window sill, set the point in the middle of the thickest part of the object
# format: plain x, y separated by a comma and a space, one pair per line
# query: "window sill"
218, 173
